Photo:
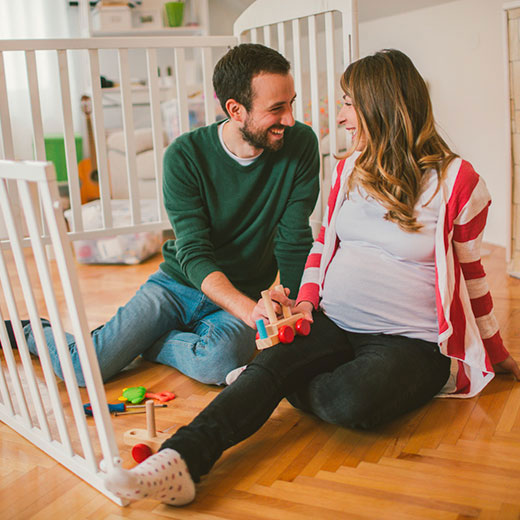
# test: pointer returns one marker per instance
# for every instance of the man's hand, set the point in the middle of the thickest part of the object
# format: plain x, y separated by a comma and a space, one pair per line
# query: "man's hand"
278, 299
508, 365
220, 290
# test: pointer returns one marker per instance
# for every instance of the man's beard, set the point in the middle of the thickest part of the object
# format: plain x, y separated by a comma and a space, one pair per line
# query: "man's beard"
260, 138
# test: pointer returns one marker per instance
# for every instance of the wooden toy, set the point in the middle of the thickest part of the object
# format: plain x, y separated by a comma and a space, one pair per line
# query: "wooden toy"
149, 437
279, 331
141, 452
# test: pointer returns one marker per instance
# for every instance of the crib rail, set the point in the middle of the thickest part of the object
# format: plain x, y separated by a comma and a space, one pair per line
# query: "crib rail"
32, 401
80, 62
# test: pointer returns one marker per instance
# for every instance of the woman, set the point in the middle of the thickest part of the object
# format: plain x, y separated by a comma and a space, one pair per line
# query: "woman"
404, 308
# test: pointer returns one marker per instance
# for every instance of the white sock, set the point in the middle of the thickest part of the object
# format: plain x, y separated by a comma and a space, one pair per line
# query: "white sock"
233, 375
163, 476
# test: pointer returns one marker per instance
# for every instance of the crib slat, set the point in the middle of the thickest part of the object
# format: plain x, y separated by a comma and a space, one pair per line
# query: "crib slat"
331, 82
6, 347
128, 127
99, 138
254, 36
207, 70
36, 112
353, 25
5, 118
25, 281
87, 355
7, 148
4, 391
297, 61
70, 142
57, 327
281, 38
182, 97
157, 130
267, 35
313, 63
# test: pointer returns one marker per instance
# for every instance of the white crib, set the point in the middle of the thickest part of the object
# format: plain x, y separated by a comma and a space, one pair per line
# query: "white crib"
319, 38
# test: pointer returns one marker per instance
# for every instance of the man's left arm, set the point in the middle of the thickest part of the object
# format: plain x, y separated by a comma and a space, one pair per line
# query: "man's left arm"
294, 235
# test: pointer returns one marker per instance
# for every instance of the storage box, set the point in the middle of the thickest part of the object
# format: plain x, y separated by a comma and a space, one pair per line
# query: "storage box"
55, 152
112, 18
130, 248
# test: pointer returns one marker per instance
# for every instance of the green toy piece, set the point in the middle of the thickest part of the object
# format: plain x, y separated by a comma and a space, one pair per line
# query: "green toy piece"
133, 394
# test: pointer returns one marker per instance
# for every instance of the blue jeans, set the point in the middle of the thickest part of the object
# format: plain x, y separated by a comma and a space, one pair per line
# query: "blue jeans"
356, 380
168, 323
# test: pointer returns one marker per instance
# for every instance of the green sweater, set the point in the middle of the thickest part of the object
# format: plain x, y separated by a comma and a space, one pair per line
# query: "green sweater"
245, 221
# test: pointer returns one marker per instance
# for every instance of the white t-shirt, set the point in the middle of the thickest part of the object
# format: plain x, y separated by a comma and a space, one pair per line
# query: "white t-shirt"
240, 160
382, 279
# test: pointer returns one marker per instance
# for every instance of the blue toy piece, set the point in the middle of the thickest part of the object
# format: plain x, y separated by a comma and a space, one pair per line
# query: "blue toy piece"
262, 331
119, 407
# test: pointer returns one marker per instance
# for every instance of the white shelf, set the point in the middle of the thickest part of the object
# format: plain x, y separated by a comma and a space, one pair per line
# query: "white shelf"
196, 15
195, 30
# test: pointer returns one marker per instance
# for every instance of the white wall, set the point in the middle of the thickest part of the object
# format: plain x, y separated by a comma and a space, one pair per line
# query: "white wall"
457, 47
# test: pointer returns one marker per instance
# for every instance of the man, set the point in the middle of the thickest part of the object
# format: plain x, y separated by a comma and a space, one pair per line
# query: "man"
239, 195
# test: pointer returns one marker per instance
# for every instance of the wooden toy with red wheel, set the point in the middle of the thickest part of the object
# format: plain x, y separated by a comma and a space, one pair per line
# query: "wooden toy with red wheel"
149, 440
279, 331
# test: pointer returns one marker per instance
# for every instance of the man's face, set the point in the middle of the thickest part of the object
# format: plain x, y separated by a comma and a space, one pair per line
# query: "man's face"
271, 111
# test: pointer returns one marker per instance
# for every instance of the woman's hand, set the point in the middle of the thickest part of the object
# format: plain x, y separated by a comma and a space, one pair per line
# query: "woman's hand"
306, 309
508, 365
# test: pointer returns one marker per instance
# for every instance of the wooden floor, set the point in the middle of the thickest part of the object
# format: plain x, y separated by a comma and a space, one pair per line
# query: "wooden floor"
453, 459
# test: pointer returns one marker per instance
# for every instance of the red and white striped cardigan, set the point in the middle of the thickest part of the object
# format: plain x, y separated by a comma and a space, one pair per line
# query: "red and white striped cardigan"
468, 329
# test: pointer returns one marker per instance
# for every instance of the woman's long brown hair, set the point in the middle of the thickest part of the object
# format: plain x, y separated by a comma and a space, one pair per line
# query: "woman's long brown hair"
395, 117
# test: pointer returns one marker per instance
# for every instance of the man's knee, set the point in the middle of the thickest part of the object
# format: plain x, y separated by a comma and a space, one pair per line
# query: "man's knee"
220, 358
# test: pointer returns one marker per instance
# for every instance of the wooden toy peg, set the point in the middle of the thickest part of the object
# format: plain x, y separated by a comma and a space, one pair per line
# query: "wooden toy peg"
150, 436
285, 309
150, 419
269, 306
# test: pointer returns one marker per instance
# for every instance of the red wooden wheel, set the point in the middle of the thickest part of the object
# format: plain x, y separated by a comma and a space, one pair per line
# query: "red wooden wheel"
303, 327
141, 452
285, 334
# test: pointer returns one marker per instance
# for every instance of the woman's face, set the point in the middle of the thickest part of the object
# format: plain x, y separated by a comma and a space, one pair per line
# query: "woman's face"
347, 117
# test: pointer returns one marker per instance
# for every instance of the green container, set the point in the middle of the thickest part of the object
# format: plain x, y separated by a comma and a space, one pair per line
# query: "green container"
174, 13
55, 152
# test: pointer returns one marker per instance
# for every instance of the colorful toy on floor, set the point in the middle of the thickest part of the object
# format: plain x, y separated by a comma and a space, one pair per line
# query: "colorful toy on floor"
279, 331
148, 440
162, 397
120, 408
136, 394
133, 394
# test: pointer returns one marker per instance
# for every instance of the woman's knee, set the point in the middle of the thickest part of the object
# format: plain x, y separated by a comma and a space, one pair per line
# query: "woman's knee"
340, 406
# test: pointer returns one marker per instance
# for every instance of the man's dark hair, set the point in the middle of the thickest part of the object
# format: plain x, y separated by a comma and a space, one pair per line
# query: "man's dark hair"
235, 71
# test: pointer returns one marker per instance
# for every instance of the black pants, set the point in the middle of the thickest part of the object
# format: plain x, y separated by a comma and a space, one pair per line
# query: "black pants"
355, 380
